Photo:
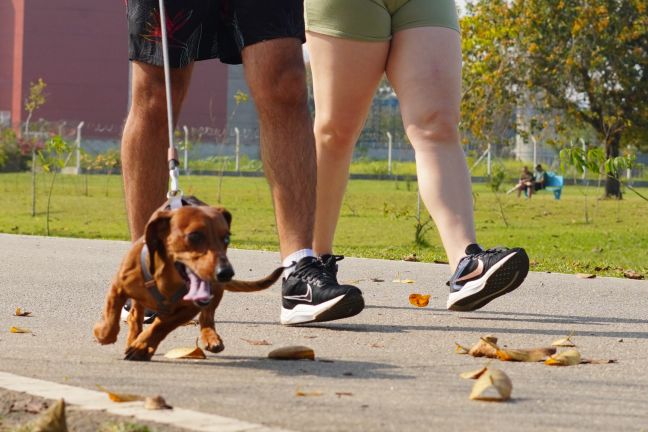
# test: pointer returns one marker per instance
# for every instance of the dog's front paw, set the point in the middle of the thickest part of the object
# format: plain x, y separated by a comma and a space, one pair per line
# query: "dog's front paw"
134, 353
104, 334
215, 348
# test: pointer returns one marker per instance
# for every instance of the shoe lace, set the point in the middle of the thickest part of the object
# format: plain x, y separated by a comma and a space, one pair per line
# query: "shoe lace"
316, 272
330, 261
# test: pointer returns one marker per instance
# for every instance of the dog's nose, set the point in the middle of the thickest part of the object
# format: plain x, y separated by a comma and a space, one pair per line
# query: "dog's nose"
224, 273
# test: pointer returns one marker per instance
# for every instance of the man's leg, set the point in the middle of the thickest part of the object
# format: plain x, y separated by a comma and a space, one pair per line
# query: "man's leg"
275, 73
145, 141
274, 70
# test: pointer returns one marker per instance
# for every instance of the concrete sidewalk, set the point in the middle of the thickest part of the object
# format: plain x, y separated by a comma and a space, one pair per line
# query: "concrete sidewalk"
393, 367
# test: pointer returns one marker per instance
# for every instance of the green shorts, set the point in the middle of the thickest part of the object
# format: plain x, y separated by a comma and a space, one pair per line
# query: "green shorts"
377, 20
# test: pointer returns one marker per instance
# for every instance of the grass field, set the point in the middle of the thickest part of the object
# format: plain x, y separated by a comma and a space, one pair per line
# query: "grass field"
377, 221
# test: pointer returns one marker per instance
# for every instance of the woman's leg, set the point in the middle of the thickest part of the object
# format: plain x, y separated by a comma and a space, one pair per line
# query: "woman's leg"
424, 67
345, 75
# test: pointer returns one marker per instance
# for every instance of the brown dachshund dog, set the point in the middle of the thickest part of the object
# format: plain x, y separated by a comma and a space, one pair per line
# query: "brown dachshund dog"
178, 269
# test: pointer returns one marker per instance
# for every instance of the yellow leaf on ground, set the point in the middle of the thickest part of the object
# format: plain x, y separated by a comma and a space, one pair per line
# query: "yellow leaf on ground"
485, 347
405, 281
493, 386
565, 358
296, 352
460, 349
120, 397
597, 361
419, 300
256, 341
52, 420
473, 374
564, 342
156, 403
525, 355
186, 353
20, 312
585, 275
305, 394
19, 330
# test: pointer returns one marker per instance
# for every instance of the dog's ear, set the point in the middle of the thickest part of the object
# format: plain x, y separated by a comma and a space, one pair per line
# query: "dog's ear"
227, 215
157, 228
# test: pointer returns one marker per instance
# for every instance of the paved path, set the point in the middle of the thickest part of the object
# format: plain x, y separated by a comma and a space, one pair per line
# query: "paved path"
393, 367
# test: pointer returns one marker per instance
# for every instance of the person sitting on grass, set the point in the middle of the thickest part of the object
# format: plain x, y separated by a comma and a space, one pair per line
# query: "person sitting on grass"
525, 183
539, 178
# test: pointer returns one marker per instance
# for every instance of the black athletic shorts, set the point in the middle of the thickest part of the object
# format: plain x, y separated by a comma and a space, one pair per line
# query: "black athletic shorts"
206, 29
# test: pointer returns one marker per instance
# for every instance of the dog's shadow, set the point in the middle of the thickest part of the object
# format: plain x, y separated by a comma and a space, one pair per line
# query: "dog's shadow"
327, 368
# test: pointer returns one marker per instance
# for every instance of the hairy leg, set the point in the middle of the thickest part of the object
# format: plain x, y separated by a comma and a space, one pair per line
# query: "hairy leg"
106, 330
424, 66
145, 141
274, 71
345, 75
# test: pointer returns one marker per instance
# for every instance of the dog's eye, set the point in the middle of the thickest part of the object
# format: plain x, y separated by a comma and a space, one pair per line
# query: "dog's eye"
195, 237
226, 240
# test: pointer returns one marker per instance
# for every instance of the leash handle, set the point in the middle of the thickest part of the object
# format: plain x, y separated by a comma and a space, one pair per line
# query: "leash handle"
174, 194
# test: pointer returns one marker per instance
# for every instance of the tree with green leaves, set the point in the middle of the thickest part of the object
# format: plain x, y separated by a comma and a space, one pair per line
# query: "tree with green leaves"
588, 59
35, 100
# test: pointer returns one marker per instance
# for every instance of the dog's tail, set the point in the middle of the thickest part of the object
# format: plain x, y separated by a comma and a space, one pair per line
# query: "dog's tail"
257, 285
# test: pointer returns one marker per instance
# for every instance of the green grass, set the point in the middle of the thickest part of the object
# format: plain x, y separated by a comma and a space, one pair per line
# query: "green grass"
377, 220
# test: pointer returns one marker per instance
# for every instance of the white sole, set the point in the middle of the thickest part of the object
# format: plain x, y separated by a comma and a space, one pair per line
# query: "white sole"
303, 313
473, 287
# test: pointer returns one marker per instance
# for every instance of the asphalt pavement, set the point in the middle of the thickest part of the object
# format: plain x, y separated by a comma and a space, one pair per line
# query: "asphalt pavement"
391, 368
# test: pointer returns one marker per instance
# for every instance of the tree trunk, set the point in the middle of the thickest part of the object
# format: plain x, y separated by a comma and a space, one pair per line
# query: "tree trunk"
612, 184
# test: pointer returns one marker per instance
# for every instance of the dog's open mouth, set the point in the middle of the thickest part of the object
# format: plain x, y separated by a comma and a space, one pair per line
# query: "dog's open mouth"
199, 290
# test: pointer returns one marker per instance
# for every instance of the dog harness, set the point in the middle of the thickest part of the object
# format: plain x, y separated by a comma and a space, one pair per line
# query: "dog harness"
163, 305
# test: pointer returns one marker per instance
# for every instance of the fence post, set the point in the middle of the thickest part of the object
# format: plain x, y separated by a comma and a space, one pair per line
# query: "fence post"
488, 165
238, 149
186, 148
389, 153
78, 148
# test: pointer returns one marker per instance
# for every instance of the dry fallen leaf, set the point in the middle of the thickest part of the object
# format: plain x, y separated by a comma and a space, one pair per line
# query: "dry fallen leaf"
20, 312
195, 353
564, 342
565, 358
493, 385
460, 349
377, 280
585, 275
411, 258
256, 341
19, 330
405, 281
304, 394
484, 348
474, 374
419, 300
120, 397
631, 274
296, 352
156, 403
52, 420
520, 355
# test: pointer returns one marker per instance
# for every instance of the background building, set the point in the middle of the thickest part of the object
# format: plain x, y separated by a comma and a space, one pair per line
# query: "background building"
80, 48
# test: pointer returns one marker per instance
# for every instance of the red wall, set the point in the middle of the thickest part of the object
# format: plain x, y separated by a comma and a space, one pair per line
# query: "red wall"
80, 50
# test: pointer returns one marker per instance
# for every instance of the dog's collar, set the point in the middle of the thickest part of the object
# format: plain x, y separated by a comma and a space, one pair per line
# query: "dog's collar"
163, 305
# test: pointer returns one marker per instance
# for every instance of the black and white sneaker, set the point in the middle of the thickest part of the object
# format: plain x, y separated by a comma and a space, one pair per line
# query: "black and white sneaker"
484, 275
149, 315
311, 293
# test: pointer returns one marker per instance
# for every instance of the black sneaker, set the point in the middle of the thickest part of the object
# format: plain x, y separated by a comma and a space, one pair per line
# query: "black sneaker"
311, 293
149, 315
484, 275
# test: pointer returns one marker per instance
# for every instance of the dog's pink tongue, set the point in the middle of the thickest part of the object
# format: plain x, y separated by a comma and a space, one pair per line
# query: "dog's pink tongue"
199, 290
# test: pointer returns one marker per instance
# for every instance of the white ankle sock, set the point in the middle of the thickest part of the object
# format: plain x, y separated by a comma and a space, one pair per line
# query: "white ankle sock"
294, 258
